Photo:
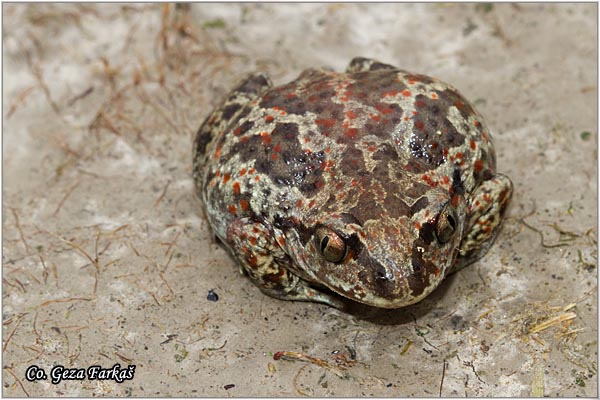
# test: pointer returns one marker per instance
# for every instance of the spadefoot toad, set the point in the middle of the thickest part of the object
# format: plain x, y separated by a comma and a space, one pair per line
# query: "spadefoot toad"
372, 184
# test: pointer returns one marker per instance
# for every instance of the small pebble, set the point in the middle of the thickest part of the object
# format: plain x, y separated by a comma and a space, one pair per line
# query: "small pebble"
212, 296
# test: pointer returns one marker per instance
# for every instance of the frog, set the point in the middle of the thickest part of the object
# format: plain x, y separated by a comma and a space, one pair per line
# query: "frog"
365, 186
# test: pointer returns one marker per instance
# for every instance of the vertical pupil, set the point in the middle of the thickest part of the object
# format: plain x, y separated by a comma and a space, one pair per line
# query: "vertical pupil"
324, 243
451, 222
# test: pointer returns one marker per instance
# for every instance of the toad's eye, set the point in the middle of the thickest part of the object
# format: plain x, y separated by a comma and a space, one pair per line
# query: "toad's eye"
446, 224
330, 244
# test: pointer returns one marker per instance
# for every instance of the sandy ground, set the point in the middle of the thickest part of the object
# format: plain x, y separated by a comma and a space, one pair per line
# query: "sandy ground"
106, 259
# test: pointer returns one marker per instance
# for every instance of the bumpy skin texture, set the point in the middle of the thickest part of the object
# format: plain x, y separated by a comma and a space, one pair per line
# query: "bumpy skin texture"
396, 170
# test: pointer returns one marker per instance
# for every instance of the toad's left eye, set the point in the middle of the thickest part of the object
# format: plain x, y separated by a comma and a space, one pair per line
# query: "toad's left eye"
446, 225
330, 244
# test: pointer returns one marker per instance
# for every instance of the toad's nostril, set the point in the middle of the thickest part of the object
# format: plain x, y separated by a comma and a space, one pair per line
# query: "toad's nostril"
383, 274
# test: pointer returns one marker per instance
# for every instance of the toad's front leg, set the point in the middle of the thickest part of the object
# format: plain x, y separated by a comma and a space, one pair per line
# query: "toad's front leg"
266, 264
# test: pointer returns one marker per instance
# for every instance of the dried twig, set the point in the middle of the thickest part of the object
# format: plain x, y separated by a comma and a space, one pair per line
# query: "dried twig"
67, 194
65, 300
548, 246
20, 100
17, 379
443, 375
294, 356
12, 334
87, 92
164, 191
22, 236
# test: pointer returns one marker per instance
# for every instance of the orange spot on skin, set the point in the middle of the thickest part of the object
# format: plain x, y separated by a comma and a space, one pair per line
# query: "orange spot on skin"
232, 209
217, 153
319, 184
273, 156
244, 204
218, 173
325, 122
351, 114
478, 165
251, 171
328, 150
311, 204
406, 118
236, 187
242, 171
244, 139
281, 241
472, 145
350, 133
406, 93
455, 200
290, 95
434, 96
459, 155
237, 130
391, 93
459, 104
327, 165
277, 147
226, 178
383, 109
306, 139
429, 181
257, 178
375, 117
299, 203
252, 240
266, 138
419, 125
476, 123
269, 118
372, 148
446, 179
418, 225
349, 256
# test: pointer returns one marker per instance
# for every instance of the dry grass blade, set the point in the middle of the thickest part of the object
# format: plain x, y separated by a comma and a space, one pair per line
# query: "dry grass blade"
67, 194
294, 356
65, 300
17, 379
537, 385
12, 334
21, 235
553, 321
